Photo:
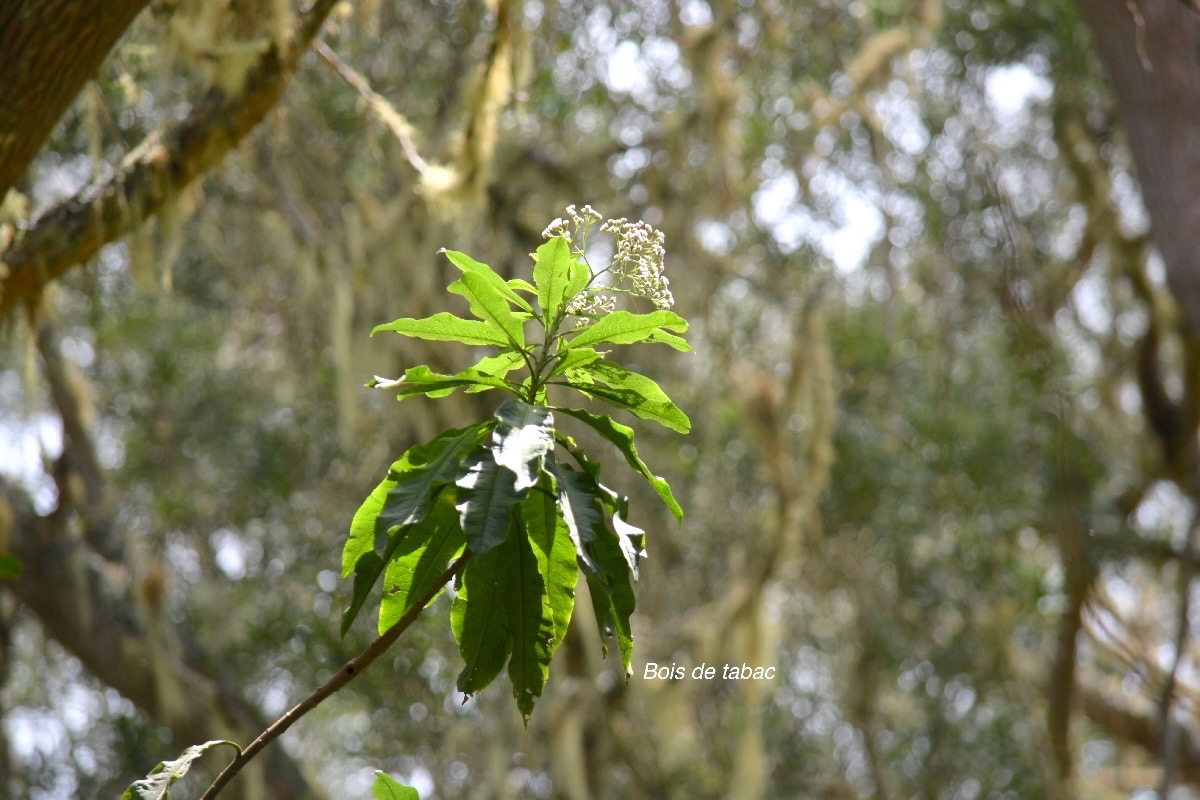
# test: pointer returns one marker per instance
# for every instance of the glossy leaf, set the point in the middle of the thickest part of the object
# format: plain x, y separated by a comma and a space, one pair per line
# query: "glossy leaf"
628, 389
423, 380
551, 273
625, 327
386, 787
504, 288
612, 593
422, 470
489, 304
577, 506
621, 436
486, 495
521, 440
557, 563
417, 561
362, 539
445, 327
157, 785
569, 360
530, 625
479, 616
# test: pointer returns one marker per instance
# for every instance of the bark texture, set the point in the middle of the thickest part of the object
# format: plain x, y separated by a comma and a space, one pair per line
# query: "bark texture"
1151, 50
166, 162
51, 49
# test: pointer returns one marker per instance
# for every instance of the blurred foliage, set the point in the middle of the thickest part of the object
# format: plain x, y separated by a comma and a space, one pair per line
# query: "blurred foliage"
915, 342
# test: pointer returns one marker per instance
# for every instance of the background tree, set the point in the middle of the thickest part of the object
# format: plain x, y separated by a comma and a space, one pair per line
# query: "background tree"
942, 469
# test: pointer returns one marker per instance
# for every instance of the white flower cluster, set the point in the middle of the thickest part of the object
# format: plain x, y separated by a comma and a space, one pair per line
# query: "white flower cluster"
637, 268
639, 260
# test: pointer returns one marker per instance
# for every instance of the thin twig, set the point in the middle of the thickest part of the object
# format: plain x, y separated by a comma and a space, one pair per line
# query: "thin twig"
349, 671
387, 113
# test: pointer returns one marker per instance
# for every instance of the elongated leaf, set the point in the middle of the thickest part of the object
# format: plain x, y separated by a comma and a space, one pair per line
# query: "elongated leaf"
157, 785
362, 539
420, 469
486, 495
577, 506
557, 563
577, 281
614, 605
488, 303
386, 787
632, 541
417, 561
522, 286
445, 327
530, 627
551, 273
669, 339
521, 440
621, 436
479, 616
625, 327
423, 380
505, 288
633, 391
424, 468
497, 366
569, 360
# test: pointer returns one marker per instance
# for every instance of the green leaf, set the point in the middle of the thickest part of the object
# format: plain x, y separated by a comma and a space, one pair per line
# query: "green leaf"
531, 629
423, 380
614, 605
157, 785
490, 305
621, 437
669, 339
497, 366
417, 561
420, 469
424, 468
551, 273
625, 327
521, 440
445, 327
522, 286
627, 389
479, 616
577, 506
577, 281
10, 567
388, 788
504, 288
568, 360
557, 564
487, 494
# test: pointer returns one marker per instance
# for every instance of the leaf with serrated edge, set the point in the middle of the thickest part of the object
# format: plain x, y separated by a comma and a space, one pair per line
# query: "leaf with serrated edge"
417, 561
388, 788
625, 327
486, 496
469, 265
521, 440
157, 785
621, 436
445, 327
479, 618
551, 271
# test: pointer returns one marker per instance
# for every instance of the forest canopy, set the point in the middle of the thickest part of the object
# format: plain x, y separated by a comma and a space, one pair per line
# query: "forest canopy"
940, 265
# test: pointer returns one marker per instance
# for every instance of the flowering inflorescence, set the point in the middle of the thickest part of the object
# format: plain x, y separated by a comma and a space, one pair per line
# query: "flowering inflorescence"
636, 269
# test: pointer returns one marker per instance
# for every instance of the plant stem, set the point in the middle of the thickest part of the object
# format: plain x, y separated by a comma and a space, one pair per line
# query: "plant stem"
349, 671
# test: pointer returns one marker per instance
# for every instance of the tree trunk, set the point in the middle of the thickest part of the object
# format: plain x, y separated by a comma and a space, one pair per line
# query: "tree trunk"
51, 48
